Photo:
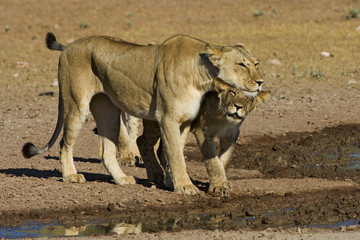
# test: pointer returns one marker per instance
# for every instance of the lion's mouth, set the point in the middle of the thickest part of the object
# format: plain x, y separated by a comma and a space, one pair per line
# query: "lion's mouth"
235, 115
250, 94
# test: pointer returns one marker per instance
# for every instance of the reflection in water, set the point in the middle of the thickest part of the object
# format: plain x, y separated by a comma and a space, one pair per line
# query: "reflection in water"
123, 228
208, 221
55, 229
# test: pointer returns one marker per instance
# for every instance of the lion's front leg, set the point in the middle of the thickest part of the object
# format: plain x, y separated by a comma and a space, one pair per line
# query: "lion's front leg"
174, 146
227, 146
147, 143
219, 185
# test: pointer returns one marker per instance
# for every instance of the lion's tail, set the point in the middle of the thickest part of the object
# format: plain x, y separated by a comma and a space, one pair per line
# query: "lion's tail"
52, 44
29, 149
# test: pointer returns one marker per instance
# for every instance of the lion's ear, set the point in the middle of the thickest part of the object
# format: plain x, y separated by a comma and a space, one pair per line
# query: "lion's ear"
214, 54
220, 85
259, 99
243, 46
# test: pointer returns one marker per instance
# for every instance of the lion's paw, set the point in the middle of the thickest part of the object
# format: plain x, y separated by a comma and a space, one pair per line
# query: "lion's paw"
130, 162
221, 190
138, 160
125, 180
187, 189
75, 178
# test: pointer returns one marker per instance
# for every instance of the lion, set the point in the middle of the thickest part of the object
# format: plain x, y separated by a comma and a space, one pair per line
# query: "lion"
129, 154
165, 83
220, 116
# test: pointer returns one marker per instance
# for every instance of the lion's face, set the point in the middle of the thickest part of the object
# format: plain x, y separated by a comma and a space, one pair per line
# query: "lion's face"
234, 105
237, 68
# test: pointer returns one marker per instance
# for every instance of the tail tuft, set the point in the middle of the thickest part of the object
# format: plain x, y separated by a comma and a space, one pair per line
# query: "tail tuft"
52, 44
29, 150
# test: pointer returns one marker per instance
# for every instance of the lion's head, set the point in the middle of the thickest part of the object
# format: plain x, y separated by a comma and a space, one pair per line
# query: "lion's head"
234, 105
237, 68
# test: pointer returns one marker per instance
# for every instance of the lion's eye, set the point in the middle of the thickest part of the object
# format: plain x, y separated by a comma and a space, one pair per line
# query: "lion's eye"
242, 65
232, 92
257, 64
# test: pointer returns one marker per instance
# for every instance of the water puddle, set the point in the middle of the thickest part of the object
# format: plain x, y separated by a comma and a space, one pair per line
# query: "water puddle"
112, 227
351, 152
100, 228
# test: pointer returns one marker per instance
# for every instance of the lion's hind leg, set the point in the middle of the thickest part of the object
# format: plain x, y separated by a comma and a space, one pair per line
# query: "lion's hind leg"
75, 118
107, 117
126, 156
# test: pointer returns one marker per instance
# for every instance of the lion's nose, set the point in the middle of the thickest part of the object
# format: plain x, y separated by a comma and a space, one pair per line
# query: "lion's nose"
238, 107
259, 82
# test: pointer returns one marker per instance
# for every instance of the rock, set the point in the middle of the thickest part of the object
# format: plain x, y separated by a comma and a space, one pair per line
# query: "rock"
351, 82
326, 54
358, 28
55, 83
281, 96
70, 40
274, 61
21, 64
15, 75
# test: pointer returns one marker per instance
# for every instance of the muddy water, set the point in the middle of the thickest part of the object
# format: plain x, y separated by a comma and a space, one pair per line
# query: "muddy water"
117, 226
333, 153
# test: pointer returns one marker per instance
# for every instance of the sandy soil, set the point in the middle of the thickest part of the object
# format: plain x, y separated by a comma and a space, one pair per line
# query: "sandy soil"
293, 153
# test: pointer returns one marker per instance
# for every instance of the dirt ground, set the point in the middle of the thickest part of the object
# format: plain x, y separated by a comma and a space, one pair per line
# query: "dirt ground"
295, 171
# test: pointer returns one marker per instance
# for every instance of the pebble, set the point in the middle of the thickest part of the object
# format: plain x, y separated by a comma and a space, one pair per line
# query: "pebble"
281, 96
54, 83
274, 61
21, 64
326, 54
351, 82
358, 28
70, 40
15, 75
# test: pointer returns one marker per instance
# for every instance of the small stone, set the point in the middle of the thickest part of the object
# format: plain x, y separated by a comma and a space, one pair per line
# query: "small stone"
326, 54
351, 82
54, 83
274, 61
358, 28
70, 40
21, 64
281, 96
15, 75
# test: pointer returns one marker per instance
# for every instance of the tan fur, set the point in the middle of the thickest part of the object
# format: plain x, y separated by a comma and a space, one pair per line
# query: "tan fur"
221, 115
165, 83
129, 153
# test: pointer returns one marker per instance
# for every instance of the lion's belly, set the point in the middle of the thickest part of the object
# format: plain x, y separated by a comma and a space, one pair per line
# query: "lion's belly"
136, 104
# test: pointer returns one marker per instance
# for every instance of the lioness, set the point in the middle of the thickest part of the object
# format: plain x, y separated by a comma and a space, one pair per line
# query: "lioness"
220, 115
223, 123
165, 83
